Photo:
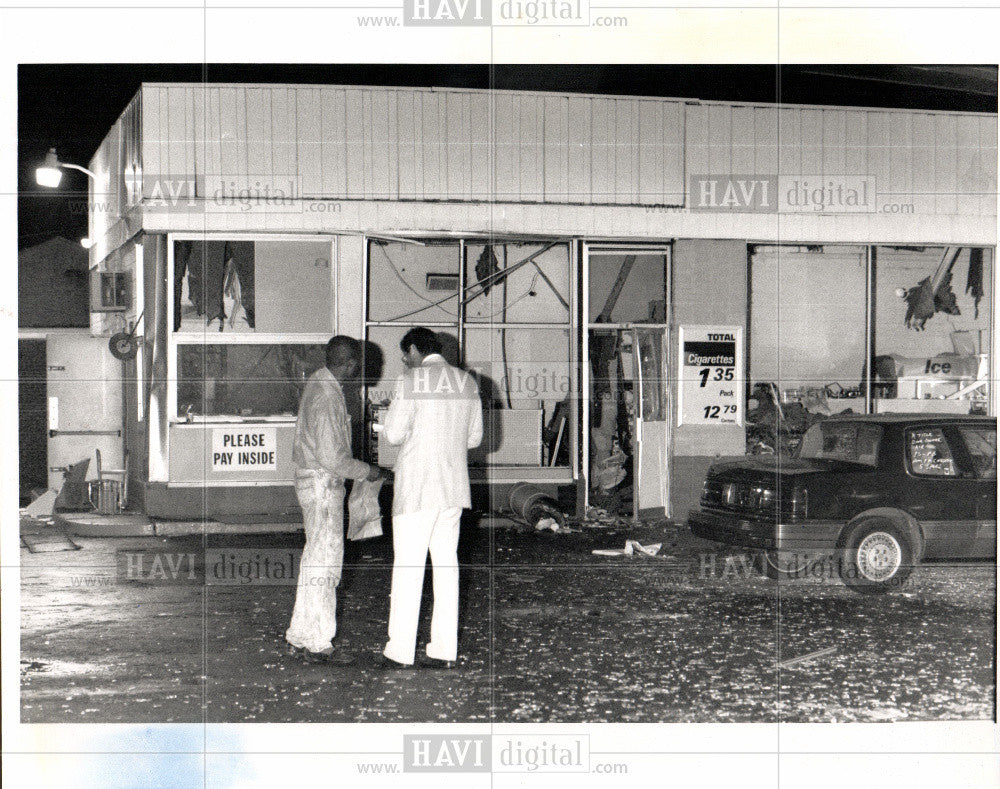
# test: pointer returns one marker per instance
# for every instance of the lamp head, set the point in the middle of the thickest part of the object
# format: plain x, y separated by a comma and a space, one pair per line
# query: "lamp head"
49, 173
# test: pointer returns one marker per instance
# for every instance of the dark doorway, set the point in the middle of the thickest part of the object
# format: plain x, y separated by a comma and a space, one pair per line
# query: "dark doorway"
32, 421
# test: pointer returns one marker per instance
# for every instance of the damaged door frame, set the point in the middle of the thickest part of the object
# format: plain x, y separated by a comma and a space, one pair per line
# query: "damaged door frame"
599, 248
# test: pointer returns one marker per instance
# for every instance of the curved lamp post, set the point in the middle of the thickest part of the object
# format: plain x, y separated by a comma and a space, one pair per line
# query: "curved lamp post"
50, 173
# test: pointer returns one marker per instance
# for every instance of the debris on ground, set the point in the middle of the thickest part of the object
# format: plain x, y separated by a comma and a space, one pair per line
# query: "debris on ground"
632, 547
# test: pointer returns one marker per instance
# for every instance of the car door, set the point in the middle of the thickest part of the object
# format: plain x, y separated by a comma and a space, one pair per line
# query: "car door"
978, 446
941, 491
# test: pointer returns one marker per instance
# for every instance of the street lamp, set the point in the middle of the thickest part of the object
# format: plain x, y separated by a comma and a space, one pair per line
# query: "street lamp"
50, 173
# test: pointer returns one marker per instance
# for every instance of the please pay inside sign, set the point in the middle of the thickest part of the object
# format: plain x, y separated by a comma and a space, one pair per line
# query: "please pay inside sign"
244, 449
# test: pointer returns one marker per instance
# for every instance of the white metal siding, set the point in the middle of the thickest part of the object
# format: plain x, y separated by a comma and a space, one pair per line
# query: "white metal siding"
405, 144
942, 163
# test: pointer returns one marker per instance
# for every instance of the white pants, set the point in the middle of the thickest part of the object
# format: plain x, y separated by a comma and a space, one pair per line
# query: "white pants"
413, 535
314, 620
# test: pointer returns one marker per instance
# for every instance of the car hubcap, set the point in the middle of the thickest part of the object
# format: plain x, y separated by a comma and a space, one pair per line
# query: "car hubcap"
879, 556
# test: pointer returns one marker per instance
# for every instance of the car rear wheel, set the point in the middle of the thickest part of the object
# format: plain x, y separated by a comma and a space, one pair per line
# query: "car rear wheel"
877, 556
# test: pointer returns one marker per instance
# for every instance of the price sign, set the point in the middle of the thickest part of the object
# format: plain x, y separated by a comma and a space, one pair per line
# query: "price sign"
711, 375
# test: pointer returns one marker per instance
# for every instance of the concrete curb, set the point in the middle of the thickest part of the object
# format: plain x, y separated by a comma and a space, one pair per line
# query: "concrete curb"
90, 525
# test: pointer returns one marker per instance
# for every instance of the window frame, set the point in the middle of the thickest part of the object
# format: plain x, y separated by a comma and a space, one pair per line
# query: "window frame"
176, 339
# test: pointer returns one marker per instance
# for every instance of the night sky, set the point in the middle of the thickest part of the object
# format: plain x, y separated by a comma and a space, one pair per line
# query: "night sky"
72, 107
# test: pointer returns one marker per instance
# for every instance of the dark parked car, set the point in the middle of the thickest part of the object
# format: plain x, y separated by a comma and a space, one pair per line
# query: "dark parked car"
876, 493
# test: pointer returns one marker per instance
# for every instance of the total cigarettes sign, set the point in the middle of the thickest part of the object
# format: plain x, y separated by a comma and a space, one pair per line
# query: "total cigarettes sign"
244, 449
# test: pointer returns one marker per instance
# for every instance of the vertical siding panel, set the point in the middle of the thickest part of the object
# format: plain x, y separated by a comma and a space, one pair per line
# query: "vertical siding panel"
367, 153
855, 142
179, 131
431, 145
259, 135
152, 133
242, 156
480, 152
968, 163
383, 162
673, 153
650, 160
577, 161
900, 154
602, 165
922, 164
626, 158
213, 138
458, 160
834, 142
505, 158
199, 135
879, 153
789, 142
531, 175
355, 135
945, 160
987, 171
229, 167
333, 142
406, 144
554, 124
743, 139
765, 139
811, 140
696, 123
284, 131
720, 139
310, 143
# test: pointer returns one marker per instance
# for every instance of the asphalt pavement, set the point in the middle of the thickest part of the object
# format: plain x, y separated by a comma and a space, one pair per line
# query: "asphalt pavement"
550, 632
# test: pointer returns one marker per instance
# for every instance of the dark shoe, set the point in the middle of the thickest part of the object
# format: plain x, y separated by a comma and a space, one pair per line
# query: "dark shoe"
388, 664
436, 663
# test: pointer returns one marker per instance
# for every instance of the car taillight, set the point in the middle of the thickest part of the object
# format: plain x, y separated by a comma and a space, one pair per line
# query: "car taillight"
799, 504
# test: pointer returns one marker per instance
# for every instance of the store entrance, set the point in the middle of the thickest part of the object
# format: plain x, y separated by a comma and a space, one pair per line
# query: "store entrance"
625, 414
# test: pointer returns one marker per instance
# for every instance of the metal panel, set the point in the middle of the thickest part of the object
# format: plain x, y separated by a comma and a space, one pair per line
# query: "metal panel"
922, 172
743, 140
602, 160
945, 159
459, 142
555, 127
532, 185
834, 139
765, 149
433, 146
507, 157
429, 144
578, 159
309, 120
480, 122
650, 159
333, 126
720, 139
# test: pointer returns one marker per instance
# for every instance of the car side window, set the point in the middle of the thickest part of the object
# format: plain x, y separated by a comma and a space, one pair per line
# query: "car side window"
981, 442
928, 453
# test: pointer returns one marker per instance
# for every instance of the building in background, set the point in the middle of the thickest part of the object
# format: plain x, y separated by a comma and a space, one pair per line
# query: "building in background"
643, 285
55, 350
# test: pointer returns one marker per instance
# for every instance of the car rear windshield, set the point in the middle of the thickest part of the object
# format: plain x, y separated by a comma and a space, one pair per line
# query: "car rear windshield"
854, 442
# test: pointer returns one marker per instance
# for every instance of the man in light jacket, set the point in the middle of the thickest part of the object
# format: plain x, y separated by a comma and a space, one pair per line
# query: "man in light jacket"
321, 453
436, 418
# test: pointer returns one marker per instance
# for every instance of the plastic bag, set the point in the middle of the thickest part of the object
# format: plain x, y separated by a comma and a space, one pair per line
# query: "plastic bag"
364, 518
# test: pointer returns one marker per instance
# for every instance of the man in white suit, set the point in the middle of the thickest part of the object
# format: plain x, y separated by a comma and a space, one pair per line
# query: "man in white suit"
436, 418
